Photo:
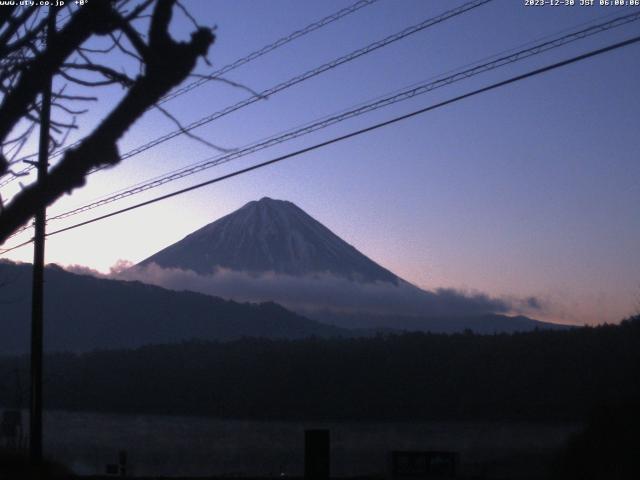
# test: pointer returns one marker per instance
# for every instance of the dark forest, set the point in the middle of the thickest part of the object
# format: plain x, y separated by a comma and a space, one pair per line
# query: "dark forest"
540, 375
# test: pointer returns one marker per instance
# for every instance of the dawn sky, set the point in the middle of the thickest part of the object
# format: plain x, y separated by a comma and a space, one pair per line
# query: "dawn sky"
528, 190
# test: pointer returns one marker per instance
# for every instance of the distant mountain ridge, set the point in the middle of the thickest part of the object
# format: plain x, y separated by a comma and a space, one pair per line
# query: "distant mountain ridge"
485, 324
85, 313
270, 236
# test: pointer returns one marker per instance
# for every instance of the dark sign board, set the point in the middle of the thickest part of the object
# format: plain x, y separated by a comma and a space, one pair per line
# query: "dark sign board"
423, 464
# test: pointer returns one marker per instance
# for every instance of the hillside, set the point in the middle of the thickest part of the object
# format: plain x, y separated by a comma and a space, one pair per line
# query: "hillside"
85, 313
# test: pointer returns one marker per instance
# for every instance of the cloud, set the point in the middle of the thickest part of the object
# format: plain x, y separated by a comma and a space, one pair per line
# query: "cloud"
119, 267
533, 303
321, 292
82, 270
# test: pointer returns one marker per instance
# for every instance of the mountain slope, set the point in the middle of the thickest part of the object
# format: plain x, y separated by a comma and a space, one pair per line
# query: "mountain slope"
271, 250
85, 313
270, 236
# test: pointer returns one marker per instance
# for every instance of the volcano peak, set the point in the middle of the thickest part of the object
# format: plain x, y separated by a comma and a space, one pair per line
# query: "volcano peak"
270, 236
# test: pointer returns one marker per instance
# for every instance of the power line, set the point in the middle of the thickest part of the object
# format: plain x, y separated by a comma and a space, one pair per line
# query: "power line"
268, 48
231, 66
15, 247
360, 110
295, 80
477, 63
355, 133
310, 74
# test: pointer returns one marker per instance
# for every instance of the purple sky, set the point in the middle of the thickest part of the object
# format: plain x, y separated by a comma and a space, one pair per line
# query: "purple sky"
531, 189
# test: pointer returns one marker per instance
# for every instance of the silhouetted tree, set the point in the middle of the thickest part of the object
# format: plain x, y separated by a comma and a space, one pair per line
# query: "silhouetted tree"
606, 448
543, 375
27, 63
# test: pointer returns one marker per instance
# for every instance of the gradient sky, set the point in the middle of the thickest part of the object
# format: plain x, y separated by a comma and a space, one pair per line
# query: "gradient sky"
531, 189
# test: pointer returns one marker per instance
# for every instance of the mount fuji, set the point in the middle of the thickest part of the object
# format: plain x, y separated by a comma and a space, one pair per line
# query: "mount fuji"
270, 236
271, 250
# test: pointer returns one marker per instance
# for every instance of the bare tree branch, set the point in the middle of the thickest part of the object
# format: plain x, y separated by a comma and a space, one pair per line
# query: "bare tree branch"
105, 71
166, 63
190, 134
94, 18
231, 83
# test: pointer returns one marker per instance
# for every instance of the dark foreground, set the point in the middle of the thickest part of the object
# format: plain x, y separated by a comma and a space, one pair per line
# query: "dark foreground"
199, 447
187, 447
527, 406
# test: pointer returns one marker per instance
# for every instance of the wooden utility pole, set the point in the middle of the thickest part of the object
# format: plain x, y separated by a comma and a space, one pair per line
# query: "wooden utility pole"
37, 295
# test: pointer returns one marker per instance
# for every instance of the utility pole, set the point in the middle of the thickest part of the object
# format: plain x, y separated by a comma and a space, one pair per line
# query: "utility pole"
37, 296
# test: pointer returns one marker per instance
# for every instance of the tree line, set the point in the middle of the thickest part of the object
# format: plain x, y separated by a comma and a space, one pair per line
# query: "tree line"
539, 375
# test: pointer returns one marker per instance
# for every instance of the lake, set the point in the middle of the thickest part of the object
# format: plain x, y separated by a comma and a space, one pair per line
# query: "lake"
199, 446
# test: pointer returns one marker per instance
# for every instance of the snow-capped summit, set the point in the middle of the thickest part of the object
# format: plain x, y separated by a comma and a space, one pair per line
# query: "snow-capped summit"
270, 236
